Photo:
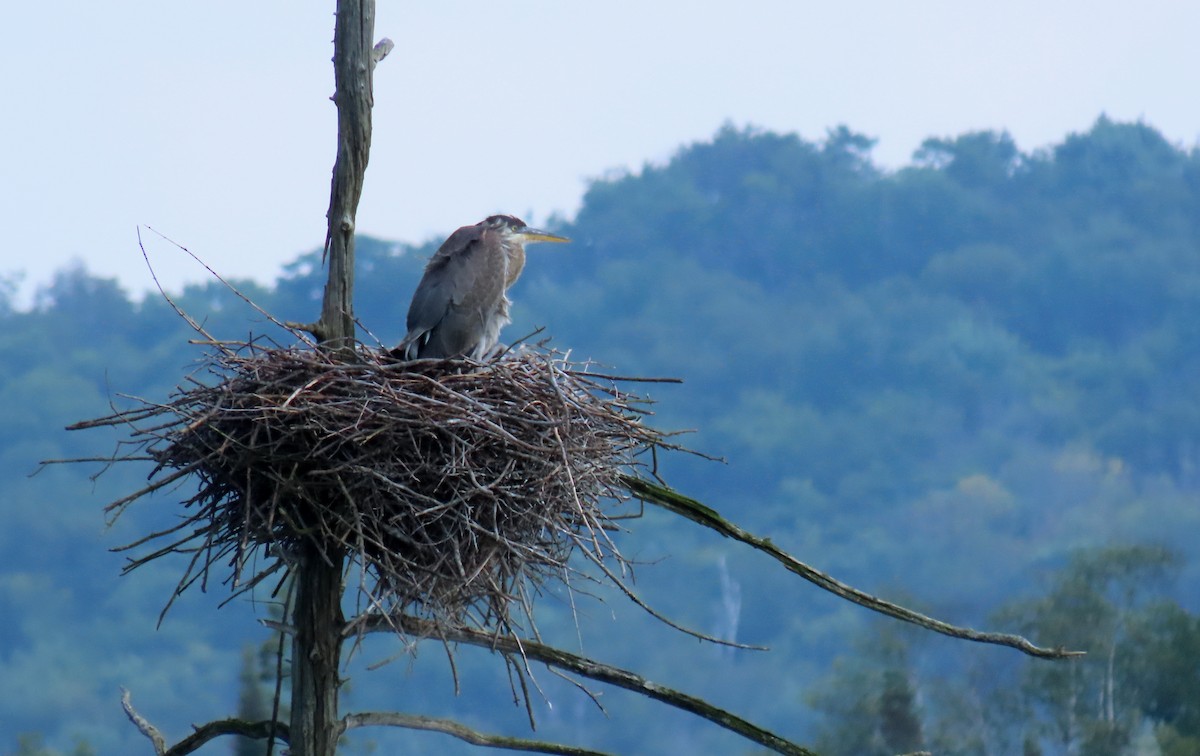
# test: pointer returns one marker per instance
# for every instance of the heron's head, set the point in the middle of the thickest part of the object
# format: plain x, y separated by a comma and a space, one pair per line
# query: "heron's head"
514, 229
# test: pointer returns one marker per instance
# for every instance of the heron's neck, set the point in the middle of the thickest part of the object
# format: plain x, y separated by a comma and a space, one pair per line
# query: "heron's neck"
516, 263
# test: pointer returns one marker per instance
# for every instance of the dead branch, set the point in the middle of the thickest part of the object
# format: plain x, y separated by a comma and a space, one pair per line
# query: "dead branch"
144, 727
462, 732
203, 733
209, 340
708, 517
526, 648
381, 50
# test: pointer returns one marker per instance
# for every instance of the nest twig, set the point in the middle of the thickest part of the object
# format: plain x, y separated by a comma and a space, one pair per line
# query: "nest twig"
455, 487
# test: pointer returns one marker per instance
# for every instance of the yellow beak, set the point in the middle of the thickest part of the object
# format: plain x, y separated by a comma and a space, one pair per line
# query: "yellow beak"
528, 235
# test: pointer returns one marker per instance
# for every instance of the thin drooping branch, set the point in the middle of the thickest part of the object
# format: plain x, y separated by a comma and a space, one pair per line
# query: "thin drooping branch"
708, 517
580, 665
203, 733
207, 339
462, 732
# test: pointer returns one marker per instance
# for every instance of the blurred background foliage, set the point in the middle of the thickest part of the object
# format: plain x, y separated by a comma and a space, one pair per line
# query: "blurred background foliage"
968, 385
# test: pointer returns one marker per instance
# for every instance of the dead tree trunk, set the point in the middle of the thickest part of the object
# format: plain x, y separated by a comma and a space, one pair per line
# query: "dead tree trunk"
353, 64
317, 613
316, 653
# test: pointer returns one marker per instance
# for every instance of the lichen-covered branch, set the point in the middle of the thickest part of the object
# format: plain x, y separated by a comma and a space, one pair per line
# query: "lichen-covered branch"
699, 513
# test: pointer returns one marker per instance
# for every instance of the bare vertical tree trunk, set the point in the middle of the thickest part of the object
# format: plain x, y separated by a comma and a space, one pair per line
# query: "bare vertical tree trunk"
317, 614
316, 653
353, 66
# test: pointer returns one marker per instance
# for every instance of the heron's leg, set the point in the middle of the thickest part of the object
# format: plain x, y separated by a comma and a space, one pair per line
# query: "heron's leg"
497, 350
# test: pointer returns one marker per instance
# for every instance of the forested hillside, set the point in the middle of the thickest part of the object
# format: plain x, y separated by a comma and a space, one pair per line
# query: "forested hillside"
969, 385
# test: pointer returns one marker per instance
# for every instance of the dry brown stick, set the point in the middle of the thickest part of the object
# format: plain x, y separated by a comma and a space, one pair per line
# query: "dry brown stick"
178, 311
120, 417
76, 460
169, 548
120, 504
623, 378
708, 517
225, 283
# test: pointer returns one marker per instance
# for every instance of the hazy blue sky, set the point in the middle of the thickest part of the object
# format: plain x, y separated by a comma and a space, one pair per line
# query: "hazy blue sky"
210, 121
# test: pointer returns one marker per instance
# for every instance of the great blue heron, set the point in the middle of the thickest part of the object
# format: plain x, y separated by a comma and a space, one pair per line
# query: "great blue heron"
461, 303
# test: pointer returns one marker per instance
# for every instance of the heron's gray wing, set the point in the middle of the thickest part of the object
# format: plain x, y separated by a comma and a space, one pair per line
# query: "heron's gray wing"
449, 309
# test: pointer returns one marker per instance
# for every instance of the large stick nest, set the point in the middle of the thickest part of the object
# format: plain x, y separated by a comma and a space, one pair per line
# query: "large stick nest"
456, 487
